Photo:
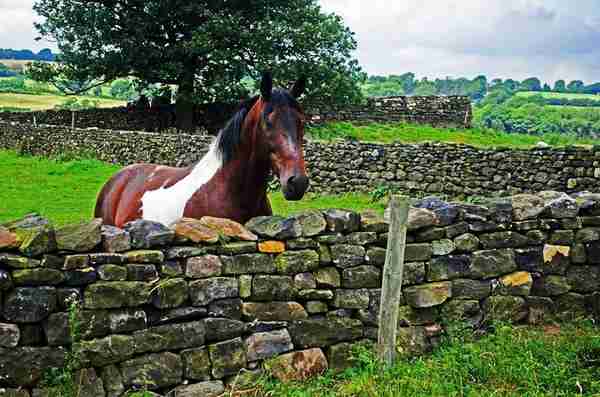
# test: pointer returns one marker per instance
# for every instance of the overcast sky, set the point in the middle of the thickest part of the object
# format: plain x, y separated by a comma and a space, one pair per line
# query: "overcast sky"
436, 38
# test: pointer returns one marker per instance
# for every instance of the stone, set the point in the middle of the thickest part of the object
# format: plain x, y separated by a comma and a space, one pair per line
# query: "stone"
428, 295
302, 243
248, 264
316, 294
141, 272
562, 206
445, 212
273, 288
271, 247
264, 345
293, 262
170, 293
112, 381
25, 366
171, 269
503, 240
414, 273
109, 350
39, 276
188, 229
246, 380
204, 389
274, 311
66, 296
541, 309
5, 280
443, 247
116, 294
351, 299
227, 357
154, 371
196, 364
9, 335
245, 286
471, 289
8, 240
299, 365
316, 307
527, 206
430, 234
112, 273
145, 256
81, 277
18, 262
219, 329
587, 235
420, 218
518, 283
492, 263
180, 314
275, 227
203, 266
551, 285
505, 308
592, 252
170, 337
35, 240
115, 239
128, 320
371, 221
361, 238
148, 234
325, 254
341, 356
29, 305
375, 256
562, 237
237, 248
361, 277
328, 277
530, 259
324, 332
89, 384
448, 267
331, 239
342, 221
578, 254
418, 252
228, 308
203, 292
556, 259
456, 229
570, 307
345, 256
312, 223
83, 237
413, 341
305, 281
584, 279
228, 228
72, 262
184, 252
462, 310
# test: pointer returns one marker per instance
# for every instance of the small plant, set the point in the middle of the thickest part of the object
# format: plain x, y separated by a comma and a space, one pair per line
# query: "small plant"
381, 192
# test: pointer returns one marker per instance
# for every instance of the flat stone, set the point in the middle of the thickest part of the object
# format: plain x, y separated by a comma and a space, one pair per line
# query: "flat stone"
342, 221
471, 289
228, 228
462, 310
127, 320
29, 305
271, 247
305, 281
8, 240
275, 227
204, 389
116, 294
245, 286
18, 262
328, 277
273, 288
584, 279
39, 276
420, 218
428, 295
80, 277
203, 292
203, 266
112, 273
145, 256
274, 311
115, 239
219, 329
264, 345
527, 206
35, 240
294, 262
237, 248
371, 221
503, 240
227, 357
418, 252
361, 277
414, 273
25, 366
443, 247
324, 332
228, 308
170, 293
492, 263
361, 238
375, 256
170, 337
299, 365
142, 272
325, 254
9, 335
551, 285
148, 234
445, 212
561, 206
449, 267
345, 255
188, 229
154, 371
505, 308
83, 237
518, 283
109, 350
171, 269
466, 243
316, 307
316, 294
302, 243
341, 356
180, 314
196, 363
248, 264
351, 299
312, 223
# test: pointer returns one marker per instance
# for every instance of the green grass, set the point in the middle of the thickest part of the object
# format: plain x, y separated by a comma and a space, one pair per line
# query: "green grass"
65, 190
564, 95
522, 361
47, 101
411, 133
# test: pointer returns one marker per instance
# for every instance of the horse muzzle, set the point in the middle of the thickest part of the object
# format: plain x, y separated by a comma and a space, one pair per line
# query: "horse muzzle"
295, 187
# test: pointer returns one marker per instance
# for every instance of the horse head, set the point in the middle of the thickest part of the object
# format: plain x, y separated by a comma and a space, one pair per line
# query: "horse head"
281, 123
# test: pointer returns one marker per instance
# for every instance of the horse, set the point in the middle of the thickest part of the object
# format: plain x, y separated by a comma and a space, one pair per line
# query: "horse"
265, 135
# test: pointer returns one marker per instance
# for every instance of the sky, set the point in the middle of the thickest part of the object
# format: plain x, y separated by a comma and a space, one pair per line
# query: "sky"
550, 39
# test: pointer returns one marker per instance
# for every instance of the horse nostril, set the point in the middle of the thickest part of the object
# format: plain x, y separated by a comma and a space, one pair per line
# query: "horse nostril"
298, 184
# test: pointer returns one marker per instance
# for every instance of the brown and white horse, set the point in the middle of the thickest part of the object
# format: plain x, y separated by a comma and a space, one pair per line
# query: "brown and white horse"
231, 180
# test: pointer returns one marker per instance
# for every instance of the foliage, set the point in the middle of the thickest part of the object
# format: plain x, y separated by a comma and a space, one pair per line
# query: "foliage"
122, 89
201, 46
27, 55
508, 362
26, 102
75, 104
6, 72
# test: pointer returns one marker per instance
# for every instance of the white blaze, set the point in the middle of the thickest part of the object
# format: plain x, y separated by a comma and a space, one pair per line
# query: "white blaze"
167, 205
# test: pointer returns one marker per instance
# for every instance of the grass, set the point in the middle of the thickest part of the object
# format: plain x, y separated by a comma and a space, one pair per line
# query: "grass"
563, 95
65, 190
411, 133
524, 361
47, 101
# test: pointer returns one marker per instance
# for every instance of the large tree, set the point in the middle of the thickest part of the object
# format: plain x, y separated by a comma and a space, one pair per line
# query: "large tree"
205, 47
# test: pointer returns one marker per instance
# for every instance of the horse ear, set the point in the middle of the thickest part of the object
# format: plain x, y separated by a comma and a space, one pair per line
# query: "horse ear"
299, 87
266, 86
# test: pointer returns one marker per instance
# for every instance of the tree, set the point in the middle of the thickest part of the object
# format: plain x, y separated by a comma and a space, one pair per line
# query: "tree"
206, 48
547, 88
576, 86
560, 86
531, 84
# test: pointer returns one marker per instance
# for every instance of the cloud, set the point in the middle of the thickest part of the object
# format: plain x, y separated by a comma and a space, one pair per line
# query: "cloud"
16, 26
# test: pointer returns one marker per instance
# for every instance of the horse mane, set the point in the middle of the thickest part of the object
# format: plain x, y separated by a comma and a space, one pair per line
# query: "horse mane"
230, 136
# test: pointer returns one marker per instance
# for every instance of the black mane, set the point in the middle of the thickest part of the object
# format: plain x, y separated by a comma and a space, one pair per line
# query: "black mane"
230, 136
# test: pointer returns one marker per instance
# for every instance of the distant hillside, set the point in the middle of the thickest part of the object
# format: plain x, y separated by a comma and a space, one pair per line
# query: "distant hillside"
27, 55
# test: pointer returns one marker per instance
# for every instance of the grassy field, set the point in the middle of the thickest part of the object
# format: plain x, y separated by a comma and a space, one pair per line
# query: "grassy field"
65, 191
411, 133
564, 95
525, 361
47, 101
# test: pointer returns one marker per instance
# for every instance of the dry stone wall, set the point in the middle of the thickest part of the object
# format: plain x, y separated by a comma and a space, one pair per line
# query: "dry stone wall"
185, 310
441, 111
429, 168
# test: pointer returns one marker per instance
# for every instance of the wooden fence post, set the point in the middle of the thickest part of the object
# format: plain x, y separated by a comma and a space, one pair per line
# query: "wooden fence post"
392, 279
72, 120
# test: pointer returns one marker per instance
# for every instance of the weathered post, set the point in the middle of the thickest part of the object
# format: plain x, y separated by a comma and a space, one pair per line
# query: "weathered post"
392, 279
72, 120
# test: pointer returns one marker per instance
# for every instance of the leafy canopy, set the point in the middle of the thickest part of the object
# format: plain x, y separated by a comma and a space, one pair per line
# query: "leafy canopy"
205, 47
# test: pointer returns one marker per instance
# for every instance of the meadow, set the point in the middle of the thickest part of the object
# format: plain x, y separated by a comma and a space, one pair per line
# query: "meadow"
553, 95
34, 102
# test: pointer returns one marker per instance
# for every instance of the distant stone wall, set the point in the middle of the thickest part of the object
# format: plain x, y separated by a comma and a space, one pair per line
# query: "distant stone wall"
441, 111
183, 311
446, 169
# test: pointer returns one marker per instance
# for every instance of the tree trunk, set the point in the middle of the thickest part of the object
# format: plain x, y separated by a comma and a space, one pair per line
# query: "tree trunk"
184, 106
